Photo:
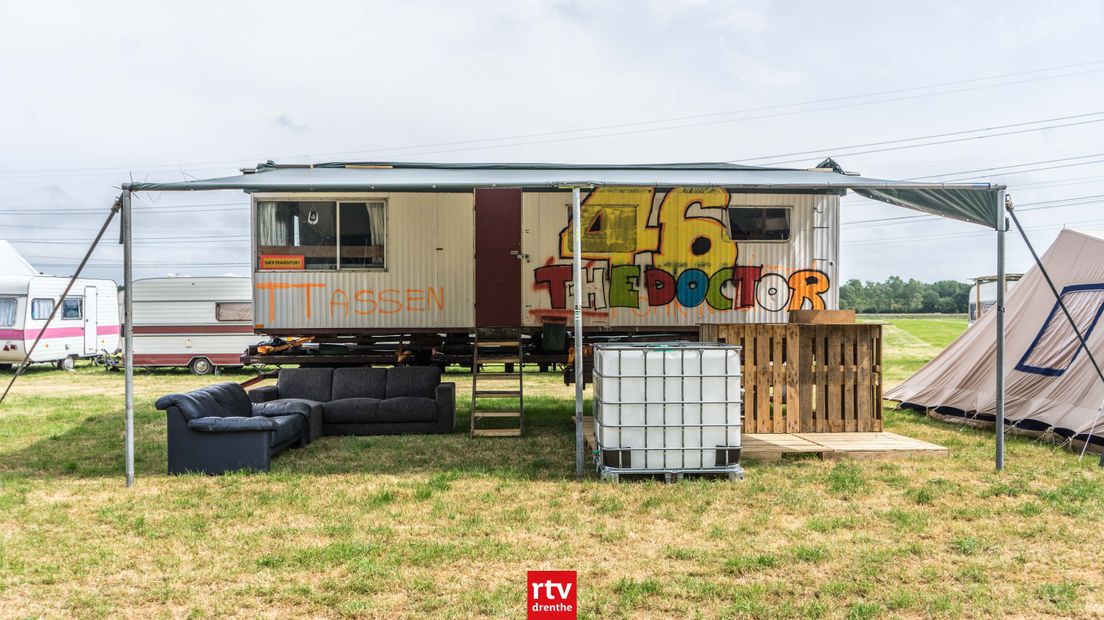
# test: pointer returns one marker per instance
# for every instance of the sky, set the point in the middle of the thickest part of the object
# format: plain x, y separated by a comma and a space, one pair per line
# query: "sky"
95, 94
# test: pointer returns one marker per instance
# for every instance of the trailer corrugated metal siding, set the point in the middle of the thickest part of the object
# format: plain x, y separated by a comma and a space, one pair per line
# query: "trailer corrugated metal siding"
427, 283
642, 230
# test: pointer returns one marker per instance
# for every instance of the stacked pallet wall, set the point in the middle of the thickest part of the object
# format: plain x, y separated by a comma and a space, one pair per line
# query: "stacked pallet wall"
808, 378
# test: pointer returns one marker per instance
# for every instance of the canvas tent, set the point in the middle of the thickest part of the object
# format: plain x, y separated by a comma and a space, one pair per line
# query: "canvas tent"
1051, 384
12, 262
975, 202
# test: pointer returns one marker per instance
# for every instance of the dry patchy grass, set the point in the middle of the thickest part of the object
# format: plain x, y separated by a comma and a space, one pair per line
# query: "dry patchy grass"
445, 526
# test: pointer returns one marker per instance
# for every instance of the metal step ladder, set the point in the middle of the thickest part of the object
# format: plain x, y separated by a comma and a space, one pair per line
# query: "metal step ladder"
498, 347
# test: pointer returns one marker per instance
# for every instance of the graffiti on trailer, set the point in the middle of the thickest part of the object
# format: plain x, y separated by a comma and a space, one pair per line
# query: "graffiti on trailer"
364, 302
684, 258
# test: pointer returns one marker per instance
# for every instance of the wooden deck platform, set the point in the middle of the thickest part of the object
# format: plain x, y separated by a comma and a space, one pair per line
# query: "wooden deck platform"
765, 447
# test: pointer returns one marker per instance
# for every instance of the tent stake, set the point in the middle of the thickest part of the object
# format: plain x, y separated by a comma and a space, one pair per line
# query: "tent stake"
128, 335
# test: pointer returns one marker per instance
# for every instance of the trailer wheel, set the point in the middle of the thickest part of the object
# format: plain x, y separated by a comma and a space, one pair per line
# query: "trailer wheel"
201, 366
5, 367
67, 363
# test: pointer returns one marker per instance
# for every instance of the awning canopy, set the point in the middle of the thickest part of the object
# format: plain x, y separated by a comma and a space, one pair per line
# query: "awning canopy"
977, 203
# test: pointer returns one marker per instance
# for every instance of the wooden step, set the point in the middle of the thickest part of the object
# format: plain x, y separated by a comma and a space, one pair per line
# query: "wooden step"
496, 432
498, 343
497, 393
496, 414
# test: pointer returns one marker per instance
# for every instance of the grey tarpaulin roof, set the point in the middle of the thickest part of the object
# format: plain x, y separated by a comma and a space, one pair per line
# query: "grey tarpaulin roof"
978, 203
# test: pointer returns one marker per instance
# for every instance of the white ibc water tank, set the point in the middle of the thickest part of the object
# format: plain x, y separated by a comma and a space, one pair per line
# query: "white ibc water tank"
667, 407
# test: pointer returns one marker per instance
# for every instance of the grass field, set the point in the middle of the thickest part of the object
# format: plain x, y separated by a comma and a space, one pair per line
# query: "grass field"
445, 526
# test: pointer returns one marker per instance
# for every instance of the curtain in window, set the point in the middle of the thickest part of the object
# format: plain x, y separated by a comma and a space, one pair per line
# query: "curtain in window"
375, 217
41, 309
273, 225
7, 312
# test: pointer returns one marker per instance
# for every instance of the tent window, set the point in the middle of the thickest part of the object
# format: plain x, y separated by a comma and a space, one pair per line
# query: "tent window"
321, 235
72, 308
238, 311
7, 311
363, 234
41, 308
1056, 346
759, 223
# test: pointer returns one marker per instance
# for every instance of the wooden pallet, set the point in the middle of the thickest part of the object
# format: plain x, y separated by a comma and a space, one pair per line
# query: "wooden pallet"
765, 447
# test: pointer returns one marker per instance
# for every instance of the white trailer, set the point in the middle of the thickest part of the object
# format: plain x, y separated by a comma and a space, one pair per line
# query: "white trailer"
984, 293
200, 323
86, 324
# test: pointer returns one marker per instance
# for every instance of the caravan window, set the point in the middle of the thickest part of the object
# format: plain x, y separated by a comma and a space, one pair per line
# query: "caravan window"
362, 229
7, 311
759, 223
321, 235
72, 308
41, 308
298, 229
240, 311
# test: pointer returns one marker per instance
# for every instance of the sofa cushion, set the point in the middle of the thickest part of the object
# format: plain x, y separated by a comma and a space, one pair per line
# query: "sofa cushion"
231, 424
308, 383
351, 411
418, 381
407, 409
283, 406
289, 428
221, 400
359, 383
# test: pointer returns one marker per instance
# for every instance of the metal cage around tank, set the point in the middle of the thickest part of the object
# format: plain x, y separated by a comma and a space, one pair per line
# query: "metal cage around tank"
667, 409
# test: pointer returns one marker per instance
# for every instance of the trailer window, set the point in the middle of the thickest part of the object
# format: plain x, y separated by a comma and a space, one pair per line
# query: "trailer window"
42, 308
72, 308
7, 311
234, 311
297, 231
759, 223
363, 232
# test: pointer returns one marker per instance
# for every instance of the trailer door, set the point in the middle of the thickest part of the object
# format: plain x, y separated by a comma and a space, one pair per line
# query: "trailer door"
91, 323
498, 257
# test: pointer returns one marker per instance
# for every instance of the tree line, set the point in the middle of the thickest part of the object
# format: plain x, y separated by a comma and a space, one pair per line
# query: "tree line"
900, 296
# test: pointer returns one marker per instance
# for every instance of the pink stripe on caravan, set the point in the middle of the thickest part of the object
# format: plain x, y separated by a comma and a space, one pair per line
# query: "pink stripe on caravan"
55, 332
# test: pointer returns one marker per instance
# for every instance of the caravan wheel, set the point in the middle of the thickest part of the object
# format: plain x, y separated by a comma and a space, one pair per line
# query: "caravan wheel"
5, 367
68, 363
201, 366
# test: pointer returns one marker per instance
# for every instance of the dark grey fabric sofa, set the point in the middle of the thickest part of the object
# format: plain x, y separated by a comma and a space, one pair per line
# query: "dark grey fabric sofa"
368, 401
217, 429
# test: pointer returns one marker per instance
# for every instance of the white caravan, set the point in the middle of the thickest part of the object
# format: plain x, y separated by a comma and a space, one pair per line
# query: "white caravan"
200, 323
86, 325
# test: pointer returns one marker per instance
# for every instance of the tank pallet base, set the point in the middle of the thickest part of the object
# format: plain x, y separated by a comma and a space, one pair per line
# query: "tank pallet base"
732, 473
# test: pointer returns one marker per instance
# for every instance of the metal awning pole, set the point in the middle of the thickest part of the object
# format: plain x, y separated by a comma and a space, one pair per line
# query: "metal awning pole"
1002, 226
128, 335
577, 279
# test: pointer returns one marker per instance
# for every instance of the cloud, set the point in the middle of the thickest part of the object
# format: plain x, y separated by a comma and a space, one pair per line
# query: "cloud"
285, 121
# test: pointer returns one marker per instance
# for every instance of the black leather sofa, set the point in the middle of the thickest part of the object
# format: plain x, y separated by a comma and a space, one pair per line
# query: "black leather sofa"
368, 401
217, 429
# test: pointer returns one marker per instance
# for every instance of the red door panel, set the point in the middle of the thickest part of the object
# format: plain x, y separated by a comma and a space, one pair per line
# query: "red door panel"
497, 267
